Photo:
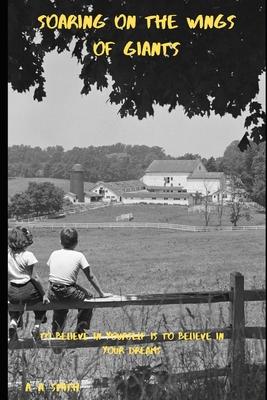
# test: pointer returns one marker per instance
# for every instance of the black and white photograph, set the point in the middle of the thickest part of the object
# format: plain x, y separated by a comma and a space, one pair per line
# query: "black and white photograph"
136, 200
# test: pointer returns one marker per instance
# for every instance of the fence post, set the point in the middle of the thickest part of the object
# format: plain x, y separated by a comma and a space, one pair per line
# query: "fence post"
237, 343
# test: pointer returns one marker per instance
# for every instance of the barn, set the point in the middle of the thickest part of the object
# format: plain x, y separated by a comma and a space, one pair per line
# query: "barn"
182, 176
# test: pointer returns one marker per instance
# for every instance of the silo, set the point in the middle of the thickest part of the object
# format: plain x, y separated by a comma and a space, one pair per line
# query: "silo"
76, 182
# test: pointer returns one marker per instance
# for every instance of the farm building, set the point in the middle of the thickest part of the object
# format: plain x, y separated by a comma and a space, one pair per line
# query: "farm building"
88, 197
77, 193
165, 182
100, 191
114, 191
182, 176
148, 197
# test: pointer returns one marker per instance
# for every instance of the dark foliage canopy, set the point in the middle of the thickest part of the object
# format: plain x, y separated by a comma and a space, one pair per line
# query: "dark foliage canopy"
217, 70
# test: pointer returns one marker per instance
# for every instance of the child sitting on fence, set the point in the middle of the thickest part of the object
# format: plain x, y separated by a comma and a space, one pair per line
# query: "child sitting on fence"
64, 266
23, 286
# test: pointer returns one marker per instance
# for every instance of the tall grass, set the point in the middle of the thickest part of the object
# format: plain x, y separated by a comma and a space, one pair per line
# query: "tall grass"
135, 377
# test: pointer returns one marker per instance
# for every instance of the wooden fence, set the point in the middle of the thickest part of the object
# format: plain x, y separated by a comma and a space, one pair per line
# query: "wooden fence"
77, 209
236, 332
98, 225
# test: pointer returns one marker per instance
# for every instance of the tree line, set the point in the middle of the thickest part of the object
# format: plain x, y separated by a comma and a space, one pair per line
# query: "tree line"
108, 163
121, 162
112, 163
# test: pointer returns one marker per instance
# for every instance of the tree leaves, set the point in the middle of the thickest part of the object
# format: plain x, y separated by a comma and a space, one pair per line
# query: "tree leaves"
257, 122
215, 71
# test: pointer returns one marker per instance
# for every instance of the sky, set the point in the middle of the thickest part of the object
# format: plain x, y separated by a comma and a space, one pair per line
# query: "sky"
67, 118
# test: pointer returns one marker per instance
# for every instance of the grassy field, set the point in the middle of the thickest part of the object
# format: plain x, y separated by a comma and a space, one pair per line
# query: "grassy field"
131, 260
158, 213
151, 261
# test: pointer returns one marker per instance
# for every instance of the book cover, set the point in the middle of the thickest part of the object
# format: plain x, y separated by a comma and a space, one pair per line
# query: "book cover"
136, 199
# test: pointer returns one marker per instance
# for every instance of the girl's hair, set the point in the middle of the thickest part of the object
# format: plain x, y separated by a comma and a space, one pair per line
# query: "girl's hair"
19, 238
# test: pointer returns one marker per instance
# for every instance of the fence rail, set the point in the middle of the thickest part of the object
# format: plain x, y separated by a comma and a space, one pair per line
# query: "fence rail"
97, 225
145, 300
236, 332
